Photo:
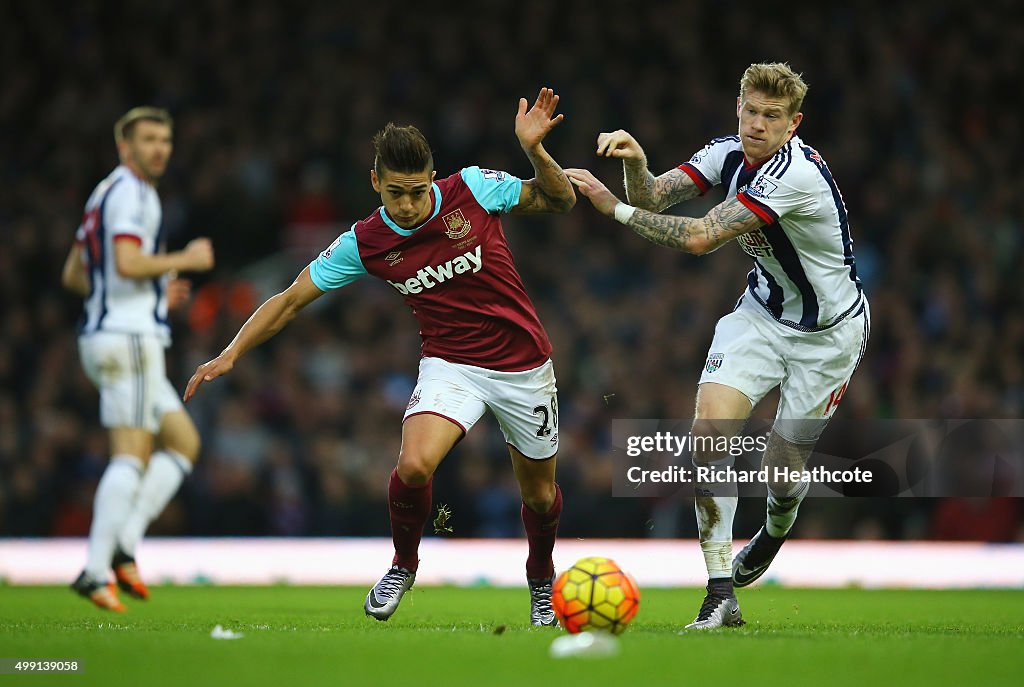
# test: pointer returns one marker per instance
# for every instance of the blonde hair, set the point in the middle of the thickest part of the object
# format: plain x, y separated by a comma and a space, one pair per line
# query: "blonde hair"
776, 80
123, 127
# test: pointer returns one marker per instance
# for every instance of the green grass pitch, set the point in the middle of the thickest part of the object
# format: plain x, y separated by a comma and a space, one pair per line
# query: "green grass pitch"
298, 636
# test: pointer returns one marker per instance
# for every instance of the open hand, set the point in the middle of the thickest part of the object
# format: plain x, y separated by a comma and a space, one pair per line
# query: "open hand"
533, 126
589, 186
207, 372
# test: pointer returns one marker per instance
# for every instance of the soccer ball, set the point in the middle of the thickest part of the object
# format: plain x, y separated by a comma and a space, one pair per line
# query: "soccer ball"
595, 594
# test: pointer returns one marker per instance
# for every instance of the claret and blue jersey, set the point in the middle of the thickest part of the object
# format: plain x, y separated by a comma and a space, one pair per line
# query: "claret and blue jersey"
455, 271
805, 274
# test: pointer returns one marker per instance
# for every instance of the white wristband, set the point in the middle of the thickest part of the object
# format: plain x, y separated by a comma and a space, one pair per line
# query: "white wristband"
624, 213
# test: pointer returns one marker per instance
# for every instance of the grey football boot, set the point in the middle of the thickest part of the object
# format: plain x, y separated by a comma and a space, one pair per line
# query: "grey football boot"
720, 608
541, 612
382, 601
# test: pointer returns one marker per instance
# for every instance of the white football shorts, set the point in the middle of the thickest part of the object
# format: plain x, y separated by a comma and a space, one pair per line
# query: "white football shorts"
525, 403
753, 354
129, 371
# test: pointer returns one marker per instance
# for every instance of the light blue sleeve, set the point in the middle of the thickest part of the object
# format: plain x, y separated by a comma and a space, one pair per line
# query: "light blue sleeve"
495, 191
339, 264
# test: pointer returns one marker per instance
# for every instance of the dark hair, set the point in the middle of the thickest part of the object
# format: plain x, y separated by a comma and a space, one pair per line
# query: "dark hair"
124, 126
401, 149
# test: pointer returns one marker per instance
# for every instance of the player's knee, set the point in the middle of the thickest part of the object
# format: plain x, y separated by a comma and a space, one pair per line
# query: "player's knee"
414, 469
538, 497
707, 436
719, 403
187, 443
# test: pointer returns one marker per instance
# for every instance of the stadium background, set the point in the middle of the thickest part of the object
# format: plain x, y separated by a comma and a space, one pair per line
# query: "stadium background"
274, 111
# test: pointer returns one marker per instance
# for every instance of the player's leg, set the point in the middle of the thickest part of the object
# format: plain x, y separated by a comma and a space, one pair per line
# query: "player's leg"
720, 412
742, 366
526, 407
443, 407
178, 442
784, 498
820, 366
426, 440
111, 505
541, 510
115, 364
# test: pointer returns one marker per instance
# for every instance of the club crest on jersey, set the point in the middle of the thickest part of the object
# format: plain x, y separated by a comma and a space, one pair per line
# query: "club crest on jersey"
714, 362
393, 258
457, 224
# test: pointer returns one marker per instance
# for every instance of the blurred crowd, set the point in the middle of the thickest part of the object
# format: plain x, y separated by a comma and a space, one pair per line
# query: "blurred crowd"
275, 105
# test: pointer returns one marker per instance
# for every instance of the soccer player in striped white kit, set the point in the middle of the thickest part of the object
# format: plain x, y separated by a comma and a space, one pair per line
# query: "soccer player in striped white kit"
119, 264
801, 323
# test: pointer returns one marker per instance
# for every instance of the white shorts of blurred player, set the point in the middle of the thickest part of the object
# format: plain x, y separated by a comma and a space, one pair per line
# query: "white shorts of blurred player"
129, 371
525, 403
753, 353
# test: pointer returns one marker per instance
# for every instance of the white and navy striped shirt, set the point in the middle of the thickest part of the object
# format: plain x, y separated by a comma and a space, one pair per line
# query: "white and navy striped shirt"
804, 273
123, 206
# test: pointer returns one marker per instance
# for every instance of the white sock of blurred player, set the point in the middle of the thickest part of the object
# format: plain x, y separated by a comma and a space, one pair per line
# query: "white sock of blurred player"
115, 495
167, 469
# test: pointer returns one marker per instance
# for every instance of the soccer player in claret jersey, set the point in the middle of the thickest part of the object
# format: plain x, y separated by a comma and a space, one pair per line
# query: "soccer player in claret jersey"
441, 246
119, 264
801, 323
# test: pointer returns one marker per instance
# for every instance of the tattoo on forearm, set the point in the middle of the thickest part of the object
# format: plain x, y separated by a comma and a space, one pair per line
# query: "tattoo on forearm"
549, 191
722, 224
639, 183
655, 194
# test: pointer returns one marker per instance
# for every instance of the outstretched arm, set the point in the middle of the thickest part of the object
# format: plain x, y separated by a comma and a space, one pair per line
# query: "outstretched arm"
722, 224
549, 190
643, 189
269, 319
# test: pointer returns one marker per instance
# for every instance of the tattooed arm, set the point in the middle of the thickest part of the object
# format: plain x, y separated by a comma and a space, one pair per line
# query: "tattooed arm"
642, 188
655, 194
723, 223
549, 190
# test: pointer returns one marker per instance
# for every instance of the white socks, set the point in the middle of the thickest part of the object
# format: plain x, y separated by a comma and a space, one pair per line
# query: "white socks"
164, 475
782, 510
113, 502
714, 523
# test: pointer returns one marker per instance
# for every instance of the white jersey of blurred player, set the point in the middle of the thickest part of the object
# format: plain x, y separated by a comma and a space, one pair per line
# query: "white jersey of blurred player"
122, 344
123, 206
804, 272
125, 325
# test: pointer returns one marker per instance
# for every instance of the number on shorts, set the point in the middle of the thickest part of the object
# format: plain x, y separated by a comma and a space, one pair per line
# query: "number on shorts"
834, 398
548, 420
